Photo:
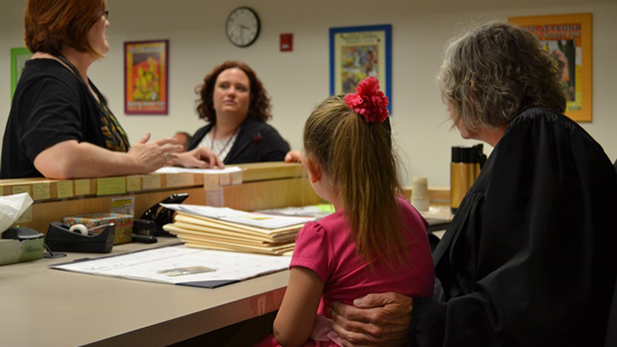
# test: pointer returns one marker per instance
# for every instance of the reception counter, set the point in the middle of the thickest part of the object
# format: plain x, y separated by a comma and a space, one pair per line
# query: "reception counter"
256, 186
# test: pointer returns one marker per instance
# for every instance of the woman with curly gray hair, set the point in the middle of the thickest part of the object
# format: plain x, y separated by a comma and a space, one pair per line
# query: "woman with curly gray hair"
528, 259
493, 73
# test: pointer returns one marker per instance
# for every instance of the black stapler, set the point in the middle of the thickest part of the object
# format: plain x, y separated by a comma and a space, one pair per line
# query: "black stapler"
61, 238
21, 234
165, 215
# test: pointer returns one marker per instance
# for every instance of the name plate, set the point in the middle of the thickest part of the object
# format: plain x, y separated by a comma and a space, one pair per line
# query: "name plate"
41, 191
180, 180
22, 189
82, 187
110, 186
152, 182
133, 183
65, 189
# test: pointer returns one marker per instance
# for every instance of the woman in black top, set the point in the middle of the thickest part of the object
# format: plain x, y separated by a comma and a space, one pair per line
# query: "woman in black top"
235, 104
60, 125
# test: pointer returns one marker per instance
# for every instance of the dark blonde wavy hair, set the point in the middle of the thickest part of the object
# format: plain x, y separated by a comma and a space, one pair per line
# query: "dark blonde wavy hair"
492, 73
259, 107
358, 158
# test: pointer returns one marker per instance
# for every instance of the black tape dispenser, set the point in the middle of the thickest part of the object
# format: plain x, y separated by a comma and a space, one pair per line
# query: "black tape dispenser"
77, 238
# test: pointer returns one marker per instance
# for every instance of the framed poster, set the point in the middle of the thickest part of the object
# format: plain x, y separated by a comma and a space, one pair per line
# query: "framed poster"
146, 66
567, 38
359, 52
19, 57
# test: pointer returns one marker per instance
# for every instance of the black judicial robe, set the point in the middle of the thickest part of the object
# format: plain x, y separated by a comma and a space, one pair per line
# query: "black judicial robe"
529, 258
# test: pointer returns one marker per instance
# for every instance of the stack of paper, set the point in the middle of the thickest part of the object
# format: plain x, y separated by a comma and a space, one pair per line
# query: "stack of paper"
316, 211
233, 230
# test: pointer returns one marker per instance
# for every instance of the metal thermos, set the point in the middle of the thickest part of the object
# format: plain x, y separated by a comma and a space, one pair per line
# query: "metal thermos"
465, 167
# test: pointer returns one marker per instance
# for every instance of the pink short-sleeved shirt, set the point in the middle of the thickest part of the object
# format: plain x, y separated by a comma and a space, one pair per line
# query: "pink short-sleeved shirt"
326, 247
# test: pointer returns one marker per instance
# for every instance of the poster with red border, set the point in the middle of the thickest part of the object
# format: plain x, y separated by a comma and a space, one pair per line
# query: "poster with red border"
146, 66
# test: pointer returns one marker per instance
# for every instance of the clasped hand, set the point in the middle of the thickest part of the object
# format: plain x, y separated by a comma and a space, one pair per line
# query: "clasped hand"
167, 152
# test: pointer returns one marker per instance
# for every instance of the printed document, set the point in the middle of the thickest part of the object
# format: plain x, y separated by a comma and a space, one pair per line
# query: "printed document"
181, 265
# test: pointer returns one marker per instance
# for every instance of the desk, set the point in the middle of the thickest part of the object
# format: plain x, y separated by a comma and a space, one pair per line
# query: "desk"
41, 306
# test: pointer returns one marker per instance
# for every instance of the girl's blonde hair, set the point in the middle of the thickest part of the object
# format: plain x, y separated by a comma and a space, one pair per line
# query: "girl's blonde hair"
357, 157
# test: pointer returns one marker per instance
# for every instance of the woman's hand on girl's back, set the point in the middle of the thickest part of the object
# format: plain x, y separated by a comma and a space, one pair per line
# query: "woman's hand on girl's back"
375, 320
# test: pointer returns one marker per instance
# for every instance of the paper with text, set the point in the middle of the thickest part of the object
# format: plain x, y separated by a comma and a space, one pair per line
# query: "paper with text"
181, 265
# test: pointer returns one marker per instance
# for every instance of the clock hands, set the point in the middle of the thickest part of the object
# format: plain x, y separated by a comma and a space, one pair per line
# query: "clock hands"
242, 26
242, 29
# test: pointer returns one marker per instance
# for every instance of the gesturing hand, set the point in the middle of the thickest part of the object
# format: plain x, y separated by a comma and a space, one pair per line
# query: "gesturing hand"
151, 156
375, 320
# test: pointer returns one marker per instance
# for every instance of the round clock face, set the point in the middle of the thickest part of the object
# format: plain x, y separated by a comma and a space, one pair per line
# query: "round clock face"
242, 26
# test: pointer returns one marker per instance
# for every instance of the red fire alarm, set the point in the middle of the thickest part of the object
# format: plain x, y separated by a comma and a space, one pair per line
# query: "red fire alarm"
287, 42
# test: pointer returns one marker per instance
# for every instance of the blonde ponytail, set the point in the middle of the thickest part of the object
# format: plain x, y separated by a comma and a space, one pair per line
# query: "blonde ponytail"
358, 158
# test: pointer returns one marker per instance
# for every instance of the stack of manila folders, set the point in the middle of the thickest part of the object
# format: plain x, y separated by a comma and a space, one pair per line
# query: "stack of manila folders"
233, 230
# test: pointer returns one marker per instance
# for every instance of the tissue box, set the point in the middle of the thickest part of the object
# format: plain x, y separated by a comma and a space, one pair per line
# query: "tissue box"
124, 224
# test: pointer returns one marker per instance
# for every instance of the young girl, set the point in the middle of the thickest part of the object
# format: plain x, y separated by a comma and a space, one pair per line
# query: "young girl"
374, 242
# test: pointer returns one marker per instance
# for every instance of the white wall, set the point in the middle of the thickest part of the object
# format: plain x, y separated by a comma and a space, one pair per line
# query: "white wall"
298, 80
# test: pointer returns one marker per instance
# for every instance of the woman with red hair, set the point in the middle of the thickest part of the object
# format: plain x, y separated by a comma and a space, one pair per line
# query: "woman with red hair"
236, 106
59, 125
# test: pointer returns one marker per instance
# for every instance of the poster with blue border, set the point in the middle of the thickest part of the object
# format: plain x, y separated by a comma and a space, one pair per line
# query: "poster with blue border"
360, 52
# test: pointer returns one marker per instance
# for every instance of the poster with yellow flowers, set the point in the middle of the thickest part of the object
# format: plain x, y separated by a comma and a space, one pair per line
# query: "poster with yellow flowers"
145, 77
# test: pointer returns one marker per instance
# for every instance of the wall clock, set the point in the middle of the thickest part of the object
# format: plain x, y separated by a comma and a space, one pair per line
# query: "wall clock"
242, 26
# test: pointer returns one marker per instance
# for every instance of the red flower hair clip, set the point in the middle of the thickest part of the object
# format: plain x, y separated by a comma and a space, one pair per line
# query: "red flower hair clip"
369, 101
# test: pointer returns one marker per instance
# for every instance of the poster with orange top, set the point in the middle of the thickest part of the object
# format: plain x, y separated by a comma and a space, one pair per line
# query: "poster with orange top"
567, 39
145, 77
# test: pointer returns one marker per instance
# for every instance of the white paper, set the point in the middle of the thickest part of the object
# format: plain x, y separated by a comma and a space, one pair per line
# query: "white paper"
173, 169
303, 211
240, 217
11, 208
166, 265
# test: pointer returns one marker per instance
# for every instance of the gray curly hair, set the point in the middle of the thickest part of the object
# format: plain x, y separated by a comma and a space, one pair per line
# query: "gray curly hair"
493, 72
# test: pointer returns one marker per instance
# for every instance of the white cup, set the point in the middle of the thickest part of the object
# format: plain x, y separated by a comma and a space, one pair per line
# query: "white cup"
419, 193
